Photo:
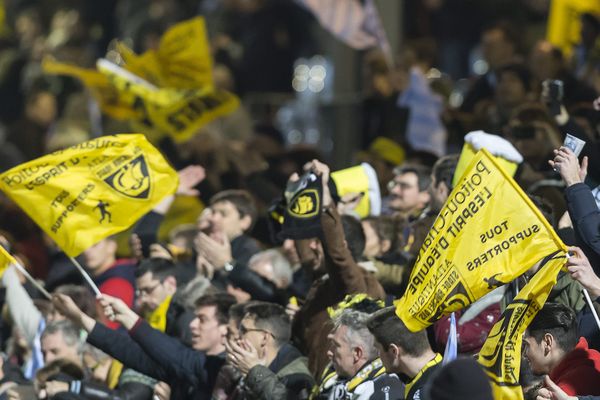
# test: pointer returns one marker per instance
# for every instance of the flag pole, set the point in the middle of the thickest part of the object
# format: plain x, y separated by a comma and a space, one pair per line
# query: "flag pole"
32, 280
591, 305
86, 276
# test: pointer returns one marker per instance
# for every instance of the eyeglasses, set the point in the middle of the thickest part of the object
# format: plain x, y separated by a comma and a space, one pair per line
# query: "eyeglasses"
146, 291
244, 330
392, 184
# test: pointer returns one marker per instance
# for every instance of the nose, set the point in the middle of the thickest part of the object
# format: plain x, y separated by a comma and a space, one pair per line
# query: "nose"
194, 324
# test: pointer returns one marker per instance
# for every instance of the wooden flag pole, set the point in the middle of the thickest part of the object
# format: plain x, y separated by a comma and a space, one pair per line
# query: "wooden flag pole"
32, 280
87, 277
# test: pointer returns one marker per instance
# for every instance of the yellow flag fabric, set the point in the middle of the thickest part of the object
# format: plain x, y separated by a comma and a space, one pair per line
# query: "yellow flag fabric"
177, 112
500, 355
486, 234
5, 260
158, 318
92, 190
182, 60
564, 25
97, 83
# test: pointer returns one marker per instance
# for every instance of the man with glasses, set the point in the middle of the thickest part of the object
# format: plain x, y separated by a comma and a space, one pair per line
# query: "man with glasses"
156, 285
408, 191
271, 368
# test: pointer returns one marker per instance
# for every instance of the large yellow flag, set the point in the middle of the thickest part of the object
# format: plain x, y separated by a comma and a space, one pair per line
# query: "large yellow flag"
500, 355
179, 113
92, 190
182, 60
487, 234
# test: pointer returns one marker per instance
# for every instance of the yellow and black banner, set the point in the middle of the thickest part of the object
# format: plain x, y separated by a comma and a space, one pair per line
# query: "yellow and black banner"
500, 355
92, 190
487, 234
177, 112
182, 60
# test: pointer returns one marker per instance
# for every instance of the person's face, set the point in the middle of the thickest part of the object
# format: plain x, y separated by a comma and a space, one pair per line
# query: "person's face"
207, 333
536, 354
151, 292
404, 193
341, 353
510, 91
438, 194
54, 348
257, 337
372, 242
100, 254
290, 252
226, 217
495, 48
317, 253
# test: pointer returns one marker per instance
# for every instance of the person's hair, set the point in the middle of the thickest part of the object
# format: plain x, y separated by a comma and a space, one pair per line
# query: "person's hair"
221, 301
282, 269
272, 318
509, 31
518, 70
357, 333
56, 367
159, 268
186, 232
70, 333
81, 296
385, 228
443, 170
558, 320
388, 329
354, 235
241, 200
422, 172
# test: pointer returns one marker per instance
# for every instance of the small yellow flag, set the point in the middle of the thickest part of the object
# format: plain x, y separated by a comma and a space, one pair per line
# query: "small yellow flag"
92, 190
177, 112
5, 260
97, 83
487, 234
500, 355
182, 60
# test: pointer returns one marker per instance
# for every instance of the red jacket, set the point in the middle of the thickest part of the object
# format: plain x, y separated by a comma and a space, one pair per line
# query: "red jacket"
579, 372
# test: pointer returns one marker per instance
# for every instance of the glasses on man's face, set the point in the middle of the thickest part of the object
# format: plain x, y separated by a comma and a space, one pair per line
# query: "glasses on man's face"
243, 330
146, 291
392, 184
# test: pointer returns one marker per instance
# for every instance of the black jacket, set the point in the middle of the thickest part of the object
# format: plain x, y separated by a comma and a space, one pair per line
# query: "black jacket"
586, 221
190, 373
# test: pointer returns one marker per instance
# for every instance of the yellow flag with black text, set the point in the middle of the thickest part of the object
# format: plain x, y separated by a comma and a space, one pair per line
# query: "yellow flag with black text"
500, 355
487, 233
89, 191
177, 112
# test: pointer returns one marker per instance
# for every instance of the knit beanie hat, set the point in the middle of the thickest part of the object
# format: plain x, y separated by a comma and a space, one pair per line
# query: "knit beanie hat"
462, 379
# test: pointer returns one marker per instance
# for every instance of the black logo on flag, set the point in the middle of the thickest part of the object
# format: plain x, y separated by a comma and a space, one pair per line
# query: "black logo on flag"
132, 179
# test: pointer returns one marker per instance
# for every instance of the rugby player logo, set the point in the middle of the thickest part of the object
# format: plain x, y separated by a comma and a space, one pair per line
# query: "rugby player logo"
131, 179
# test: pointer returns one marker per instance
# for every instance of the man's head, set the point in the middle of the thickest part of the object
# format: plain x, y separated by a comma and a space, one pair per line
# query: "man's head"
499, 44
61, 340
545, 61
379, 235
408, 189
441, 181
209, 328
351, 345
155, 281
99, 257
81, 295
266, 326
395, 342
513, 85
273, 266
551, 335
233, 212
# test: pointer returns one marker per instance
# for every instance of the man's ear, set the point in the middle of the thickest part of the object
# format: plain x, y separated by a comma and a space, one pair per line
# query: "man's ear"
386, 245
357, 353
170, 283
395, 350
424, 197
548, 342
245, 222
444, 189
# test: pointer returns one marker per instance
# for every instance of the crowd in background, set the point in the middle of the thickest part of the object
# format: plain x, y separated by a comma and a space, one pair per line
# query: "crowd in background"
201, 299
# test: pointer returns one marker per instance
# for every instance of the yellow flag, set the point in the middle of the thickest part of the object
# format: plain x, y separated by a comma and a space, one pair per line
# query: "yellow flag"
564, 26
97, 83
500, 355
486, 234
177, 112
182, 60
92, 190
5, 260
